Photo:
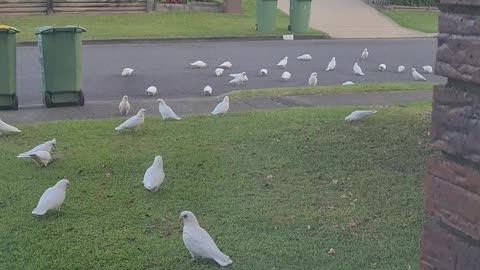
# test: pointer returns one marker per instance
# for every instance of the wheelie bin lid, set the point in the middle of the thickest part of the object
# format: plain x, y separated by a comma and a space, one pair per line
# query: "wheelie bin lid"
8, 29
66, 28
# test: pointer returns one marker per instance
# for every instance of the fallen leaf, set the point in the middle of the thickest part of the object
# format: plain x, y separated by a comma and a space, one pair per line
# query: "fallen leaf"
331, 252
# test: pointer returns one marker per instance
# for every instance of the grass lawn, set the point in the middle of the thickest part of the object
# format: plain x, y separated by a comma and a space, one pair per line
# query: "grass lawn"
370, 87
153, 25
423, 21
275, 190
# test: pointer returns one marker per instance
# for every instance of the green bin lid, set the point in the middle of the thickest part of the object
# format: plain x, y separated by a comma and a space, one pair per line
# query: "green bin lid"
8, 29
66, 28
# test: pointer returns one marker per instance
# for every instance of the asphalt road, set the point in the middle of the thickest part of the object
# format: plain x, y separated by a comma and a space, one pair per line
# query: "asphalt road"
166, 66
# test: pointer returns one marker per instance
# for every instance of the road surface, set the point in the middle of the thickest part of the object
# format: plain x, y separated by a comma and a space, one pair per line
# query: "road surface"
166, 66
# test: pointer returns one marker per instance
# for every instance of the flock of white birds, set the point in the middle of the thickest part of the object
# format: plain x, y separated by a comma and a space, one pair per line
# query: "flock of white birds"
196, 239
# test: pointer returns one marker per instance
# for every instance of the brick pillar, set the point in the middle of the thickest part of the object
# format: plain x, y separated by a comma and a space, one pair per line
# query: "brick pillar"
451, 232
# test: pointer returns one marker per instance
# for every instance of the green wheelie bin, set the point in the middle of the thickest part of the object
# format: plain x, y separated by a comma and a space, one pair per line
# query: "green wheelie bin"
300, 15
8, 67
266, 13
61, 64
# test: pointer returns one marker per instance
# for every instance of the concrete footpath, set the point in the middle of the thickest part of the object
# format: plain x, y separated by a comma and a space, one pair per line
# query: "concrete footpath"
191, 106
353, 19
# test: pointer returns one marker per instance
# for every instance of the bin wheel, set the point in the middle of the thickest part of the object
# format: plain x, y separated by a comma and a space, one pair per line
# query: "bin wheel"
47, 100
15, 102
256, 27
81, 101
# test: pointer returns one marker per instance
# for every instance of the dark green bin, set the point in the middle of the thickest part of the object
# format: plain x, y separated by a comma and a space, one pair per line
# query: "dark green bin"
266, 14
8, 67
61, 64
300, 15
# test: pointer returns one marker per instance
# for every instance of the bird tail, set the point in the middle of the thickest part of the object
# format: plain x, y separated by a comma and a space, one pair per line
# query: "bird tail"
118, 128
223, 260
23, 155
39, 212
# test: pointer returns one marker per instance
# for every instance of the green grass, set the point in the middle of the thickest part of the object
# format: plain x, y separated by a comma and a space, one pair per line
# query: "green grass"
423, 21
153, 25
370, 87
256, 181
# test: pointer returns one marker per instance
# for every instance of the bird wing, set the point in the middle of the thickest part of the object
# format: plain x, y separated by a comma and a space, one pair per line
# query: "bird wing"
200, 243
50, 199
220, 108
153, 178
131, 122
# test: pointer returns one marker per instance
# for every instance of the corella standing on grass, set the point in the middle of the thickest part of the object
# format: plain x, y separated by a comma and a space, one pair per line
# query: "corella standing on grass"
124, 106
365, 54
166, 111
151, 90
357, 115
199, 243
417, 76
357, 70
198, 64
133, 122
222, 107
41, 158
332, 64
6, 129
283, 63
52, 198
154, 175
127, 72
46, 146
312, 81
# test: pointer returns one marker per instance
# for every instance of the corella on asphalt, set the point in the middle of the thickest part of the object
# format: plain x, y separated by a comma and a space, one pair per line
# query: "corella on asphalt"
382, 67
305, 57
127, 72
417, 76
124, 106
6, 129
226, 65
219, 72
151, 90
46, 146
283, 62
166, 111
263, 72
198, 64
332, 64
348, 83
207, 90
357, 115
52, 198
133, 122
239, 78
365, 54
286, 75
357, 70
400, 69
42, 158
199, 243
428, 69
222, 107
154, 175
312, 81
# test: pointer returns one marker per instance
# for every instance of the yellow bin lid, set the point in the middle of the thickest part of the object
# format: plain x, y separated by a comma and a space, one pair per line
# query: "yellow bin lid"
9, 29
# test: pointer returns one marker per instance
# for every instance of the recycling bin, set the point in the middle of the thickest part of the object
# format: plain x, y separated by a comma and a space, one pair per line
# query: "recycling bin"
61, 64
266, 13
8, 67
299, 15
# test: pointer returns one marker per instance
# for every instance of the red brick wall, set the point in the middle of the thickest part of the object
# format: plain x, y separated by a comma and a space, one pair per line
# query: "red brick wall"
451, 232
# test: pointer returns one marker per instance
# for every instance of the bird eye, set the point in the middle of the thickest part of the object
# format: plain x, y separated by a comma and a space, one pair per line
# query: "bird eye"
185, 216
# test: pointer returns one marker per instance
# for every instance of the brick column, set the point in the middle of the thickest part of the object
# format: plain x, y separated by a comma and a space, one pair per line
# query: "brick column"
451, 231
